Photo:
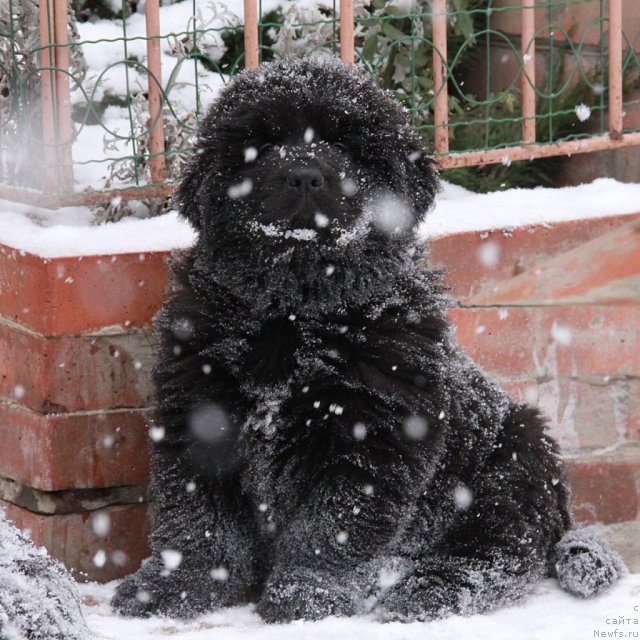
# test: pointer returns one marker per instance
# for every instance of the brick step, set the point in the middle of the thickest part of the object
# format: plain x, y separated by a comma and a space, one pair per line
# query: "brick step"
71, 296
565, 335
605, 485
543, 342
73, 373
100, 545
73, 450
476, 260
604, 270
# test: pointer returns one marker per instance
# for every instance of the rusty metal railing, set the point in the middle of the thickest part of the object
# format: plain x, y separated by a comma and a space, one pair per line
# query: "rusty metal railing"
56, 111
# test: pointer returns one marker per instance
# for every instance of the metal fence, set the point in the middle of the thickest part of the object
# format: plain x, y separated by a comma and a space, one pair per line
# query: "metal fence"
107, 108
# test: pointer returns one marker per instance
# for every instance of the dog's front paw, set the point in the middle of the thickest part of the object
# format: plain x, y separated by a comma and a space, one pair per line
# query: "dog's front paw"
155, 591
304, 594
418, 597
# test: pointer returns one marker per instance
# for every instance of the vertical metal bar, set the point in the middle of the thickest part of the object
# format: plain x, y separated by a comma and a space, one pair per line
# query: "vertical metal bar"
132, 128
441, 99
615, 69
528, 79
47, 95
347, 53
64, 125
154, 64
551, 76
251, 48
334, 28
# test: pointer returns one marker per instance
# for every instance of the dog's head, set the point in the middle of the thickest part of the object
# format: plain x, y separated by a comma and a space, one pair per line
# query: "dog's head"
307, 150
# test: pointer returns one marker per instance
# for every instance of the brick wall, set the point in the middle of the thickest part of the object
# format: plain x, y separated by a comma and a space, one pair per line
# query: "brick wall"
74, 391
553, 313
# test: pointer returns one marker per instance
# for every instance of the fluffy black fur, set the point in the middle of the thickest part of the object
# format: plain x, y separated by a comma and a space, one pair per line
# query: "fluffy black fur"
327, 447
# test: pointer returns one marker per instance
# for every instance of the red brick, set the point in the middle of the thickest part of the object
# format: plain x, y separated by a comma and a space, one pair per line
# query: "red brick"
65, 451
606, 488
582, 414
69, 296
520, 250
528, 341
75, 373
605, 270
71, 539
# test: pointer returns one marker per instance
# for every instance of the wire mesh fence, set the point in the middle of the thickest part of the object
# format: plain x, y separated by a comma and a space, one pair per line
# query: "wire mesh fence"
99, 99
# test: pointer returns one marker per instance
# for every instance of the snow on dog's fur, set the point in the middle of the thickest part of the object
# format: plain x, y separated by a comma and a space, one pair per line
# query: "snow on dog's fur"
38, 598
321, 443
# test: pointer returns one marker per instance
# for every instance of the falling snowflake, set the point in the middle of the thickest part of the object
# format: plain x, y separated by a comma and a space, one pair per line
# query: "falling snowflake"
583, 112
560, 334
250, 154
101, 524
531, 395
240, 190
171, 558
321, 220
182, 328
391, 214
100, 558
220, 574
415, 427
156, 433
209, 422
462, 496
489, 254
349, 187
342, 537
359, 431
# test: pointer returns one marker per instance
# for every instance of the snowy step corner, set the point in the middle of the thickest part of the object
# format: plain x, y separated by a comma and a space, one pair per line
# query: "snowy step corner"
75, 390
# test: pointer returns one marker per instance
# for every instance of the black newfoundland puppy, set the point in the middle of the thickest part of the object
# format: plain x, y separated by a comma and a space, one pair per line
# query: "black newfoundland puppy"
321, 442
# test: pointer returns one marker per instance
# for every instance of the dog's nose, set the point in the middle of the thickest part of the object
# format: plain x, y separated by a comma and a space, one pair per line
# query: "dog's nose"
305, 179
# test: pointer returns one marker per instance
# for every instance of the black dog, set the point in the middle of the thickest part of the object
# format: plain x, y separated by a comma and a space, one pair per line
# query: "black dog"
320, 441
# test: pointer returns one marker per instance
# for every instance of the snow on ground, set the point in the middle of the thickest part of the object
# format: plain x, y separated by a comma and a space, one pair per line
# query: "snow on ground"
68, 231
459, 210
549, 614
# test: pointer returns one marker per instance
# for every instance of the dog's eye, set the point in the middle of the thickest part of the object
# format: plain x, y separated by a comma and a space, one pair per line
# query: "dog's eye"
264, 149
340, 146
